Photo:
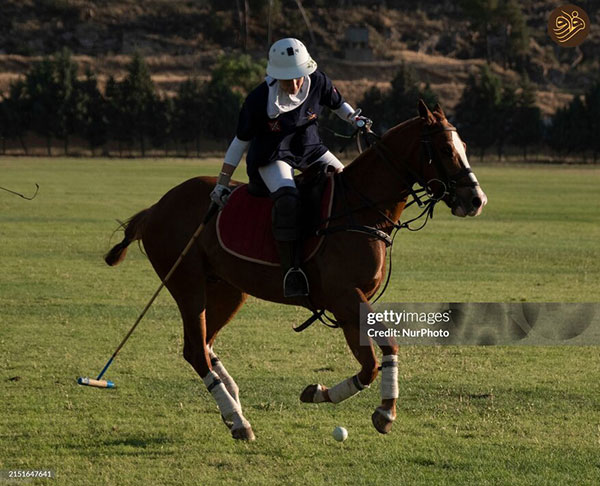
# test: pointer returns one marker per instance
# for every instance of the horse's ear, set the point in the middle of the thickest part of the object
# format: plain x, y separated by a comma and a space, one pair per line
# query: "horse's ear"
425, 113
438, 109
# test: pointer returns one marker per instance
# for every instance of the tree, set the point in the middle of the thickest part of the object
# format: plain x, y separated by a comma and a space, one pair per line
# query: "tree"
240, 72
41, 93
505, 117
592, 106
139, 96
92, 121
428, 96
513, 25
188, 115
568, 131
482, 15
527, 128
477, 112
161, 123
220, 108
132, 104
399, 103
374, 105
67, 99
210, 109
502, 29
15, 114
402, 99
51, 88
118, 128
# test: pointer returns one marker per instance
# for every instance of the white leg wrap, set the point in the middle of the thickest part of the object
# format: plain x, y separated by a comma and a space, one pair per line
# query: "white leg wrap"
226, 378
345, 389
389, 377
229, 408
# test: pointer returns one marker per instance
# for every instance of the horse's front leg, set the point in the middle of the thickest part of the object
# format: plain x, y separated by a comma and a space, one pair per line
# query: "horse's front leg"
385, 414
347, 312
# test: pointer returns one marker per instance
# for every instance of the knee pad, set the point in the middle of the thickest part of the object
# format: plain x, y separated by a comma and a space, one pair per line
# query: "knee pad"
286, 216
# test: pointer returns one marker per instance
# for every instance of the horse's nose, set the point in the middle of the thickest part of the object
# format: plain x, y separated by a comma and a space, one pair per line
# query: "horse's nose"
476, 202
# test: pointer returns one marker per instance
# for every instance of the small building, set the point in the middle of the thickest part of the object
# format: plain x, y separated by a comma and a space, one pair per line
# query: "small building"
356, 44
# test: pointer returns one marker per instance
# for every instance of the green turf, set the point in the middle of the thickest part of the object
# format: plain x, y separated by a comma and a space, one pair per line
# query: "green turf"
467, 415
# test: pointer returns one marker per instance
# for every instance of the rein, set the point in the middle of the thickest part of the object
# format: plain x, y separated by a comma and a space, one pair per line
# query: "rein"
428, 207
384, 154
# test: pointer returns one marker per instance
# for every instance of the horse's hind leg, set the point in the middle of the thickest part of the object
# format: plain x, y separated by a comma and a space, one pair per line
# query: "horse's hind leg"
223, 301
191, 299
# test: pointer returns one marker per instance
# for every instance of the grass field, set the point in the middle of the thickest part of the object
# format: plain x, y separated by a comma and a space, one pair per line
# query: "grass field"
467, 415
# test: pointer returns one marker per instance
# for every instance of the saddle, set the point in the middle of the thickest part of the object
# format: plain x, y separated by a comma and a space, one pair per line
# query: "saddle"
244, 227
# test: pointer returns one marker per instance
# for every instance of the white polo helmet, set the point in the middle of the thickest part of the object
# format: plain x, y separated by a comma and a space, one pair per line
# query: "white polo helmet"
289, 59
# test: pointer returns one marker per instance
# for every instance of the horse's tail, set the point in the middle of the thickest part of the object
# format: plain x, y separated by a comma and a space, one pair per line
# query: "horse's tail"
134, 228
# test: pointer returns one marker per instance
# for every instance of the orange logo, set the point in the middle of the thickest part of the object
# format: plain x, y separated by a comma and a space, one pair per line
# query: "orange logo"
274, 126
568, 25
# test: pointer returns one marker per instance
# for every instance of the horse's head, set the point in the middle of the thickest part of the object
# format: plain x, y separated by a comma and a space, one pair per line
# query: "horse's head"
444, 165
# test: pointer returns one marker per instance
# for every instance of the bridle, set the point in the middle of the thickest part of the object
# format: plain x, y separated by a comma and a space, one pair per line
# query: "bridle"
449, 182
401, 168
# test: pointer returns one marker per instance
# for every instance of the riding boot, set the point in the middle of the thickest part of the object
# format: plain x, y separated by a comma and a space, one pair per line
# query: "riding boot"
287, 233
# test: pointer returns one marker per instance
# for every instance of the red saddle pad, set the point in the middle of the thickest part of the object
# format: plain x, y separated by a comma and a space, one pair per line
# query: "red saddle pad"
244, 226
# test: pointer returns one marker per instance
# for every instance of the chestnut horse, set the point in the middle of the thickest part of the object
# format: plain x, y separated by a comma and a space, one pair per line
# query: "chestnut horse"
211, 284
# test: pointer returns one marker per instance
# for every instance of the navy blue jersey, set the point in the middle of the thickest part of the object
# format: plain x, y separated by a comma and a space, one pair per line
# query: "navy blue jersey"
293, 136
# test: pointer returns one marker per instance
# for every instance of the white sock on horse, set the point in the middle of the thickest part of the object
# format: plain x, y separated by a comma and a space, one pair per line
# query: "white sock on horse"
230, 409
345, 389
226, 378
389, 377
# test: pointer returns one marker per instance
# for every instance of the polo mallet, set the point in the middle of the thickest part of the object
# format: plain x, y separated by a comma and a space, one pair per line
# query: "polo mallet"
37, 188
98, 382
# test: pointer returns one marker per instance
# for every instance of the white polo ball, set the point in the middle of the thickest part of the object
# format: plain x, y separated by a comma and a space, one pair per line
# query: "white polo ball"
340, 434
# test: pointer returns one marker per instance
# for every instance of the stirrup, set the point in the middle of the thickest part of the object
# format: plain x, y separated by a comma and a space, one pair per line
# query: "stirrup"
295, 283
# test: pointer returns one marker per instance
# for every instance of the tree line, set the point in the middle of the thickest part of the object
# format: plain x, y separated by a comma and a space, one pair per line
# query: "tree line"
51, 101
55, 103
496, 114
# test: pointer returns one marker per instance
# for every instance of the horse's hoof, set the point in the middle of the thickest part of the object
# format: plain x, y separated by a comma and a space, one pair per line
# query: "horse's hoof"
381, 421
308, 395
228, 423
243, 433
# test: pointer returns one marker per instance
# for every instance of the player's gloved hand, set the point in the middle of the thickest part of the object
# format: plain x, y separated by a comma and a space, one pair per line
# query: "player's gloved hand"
220, 194
359, 121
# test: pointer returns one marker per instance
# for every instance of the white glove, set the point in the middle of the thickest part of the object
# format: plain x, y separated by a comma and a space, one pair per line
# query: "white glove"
359, 121
220, 194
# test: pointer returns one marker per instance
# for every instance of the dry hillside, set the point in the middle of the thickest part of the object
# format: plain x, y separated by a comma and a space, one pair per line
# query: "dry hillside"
179, 38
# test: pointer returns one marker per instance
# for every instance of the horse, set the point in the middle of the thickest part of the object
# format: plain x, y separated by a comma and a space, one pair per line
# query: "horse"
211, 285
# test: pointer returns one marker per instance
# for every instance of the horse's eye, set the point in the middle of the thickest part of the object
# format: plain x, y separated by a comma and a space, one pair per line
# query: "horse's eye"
448, 151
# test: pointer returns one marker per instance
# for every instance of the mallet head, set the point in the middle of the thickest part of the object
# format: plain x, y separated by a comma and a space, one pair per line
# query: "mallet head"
96, 383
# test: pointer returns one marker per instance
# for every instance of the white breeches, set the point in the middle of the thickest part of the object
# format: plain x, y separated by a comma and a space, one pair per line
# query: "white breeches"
280, 174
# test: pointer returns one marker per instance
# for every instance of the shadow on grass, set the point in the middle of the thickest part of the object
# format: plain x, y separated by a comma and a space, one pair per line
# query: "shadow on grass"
129, 446
137, 442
